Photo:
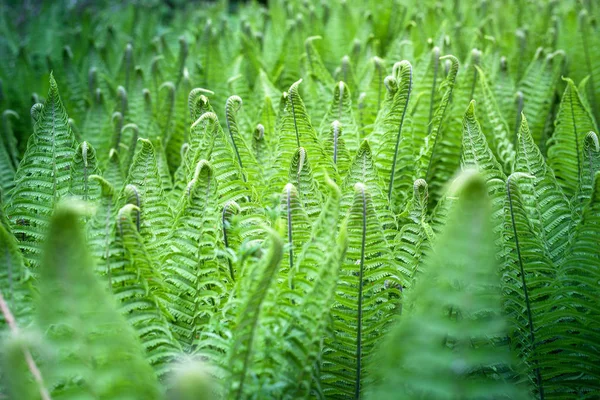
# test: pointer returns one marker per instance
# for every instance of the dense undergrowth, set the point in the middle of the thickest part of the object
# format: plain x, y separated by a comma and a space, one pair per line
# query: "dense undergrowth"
362, 199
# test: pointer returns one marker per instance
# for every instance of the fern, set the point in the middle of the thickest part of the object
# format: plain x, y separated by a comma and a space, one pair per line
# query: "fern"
46, 165
565, 147
448, 342
241, 348
362, 308
96, 352
191, 266
273, 202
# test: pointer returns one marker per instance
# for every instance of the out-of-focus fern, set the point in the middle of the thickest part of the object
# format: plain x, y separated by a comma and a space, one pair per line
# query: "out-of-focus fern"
448, 342
94, 351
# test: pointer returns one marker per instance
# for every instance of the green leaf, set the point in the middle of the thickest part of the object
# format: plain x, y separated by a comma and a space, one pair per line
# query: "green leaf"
544, 201
156, 217
565, 147
96, 352
341, 110
45, 166
295, 130
15, 279
241, 349
191, 266
83, 166
136, 283
448, 342
365, 302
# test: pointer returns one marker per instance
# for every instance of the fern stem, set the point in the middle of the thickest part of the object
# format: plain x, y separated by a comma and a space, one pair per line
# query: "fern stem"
393, 172
436, 65
476, 55
360, 294
525, 290
295, 123
336, 132
31, 365
288, 189
575, 131
228, 118
226, 240
520, 104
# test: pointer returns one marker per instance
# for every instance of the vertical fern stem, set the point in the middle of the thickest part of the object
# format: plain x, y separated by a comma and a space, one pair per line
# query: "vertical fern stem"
31, 365
476, 55
398, 137
361, 111
436, 65
106, 245
171, 101
228, 118
336, 132
594, 146
361, 187
128, 60
538, 376
92, 80
288, 193
84, 151
576, 137
379, 69
183, 54
520, 103
295, 123
340, 102
225, 239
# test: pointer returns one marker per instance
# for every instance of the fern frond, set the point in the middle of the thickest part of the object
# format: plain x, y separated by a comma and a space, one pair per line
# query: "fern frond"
191, 266
528, 283
155, 214
15, 279
83, 166
366, 299
416, 235
448, 342
544, 201
45, 166
565, 147
138, 286
297, 228
341, 110
568, 351
96, 351
296, 131
240, 353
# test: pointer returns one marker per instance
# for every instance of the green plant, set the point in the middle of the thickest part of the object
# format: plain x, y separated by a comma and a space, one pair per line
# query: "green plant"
366, 199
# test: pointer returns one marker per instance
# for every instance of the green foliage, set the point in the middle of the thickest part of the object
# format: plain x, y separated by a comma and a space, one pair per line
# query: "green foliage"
273, 208
451, 330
